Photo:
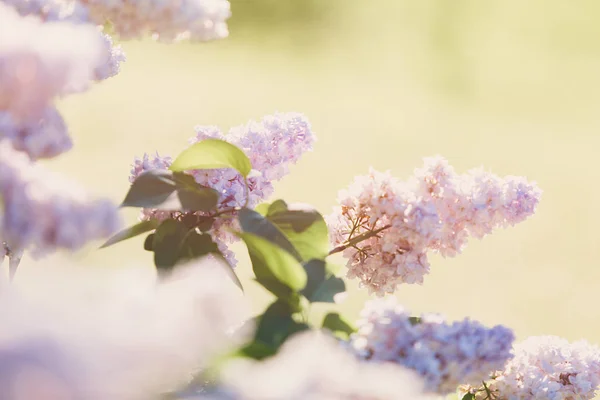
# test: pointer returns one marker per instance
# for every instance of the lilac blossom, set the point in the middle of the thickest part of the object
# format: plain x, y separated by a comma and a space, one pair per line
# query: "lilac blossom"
41, 60
546, 367
45, 137
167, 21
127, 337
312, 366
272, 145
436, 210
43, 212
445, 354
74, 13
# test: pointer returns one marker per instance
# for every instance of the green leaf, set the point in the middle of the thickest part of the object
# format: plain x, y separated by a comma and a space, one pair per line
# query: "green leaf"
194, 196
149, 242
132, 231
257, 351
468, 396
338, 325
212, 154
196, 245
305, 228
315, 272
262, 209
205, 224
414, 320
169, 191
168, 240
273, 266
321, 286
276, 325
277, 206
327, 290
253, 222
229, 270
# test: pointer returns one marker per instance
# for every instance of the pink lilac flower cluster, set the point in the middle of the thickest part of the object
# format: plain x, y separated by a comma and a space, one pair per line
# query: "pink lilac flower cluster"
271, 145
43, 212
435, 210
546, 367
445, 354
312, 366
167, 21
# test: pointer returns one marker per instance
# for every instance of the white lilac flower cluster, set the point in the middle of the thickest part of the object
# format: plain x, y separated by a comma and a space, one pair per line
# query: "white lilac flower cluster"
201, 20
108, 339
445, 354
271, 145
43, 211
39, 61
546, 367
46, 137
435, 210
312, 366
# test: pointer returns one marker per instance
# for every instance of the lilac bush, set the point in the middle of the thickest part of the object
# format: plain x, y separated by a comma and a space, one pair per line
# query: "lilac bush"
183, 331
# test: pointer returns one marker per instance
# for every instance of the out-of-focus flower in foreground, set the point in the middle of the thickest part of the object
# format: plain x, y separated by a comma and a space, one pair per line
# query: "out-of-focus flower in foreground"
83, 336
201, 20
313, 366
43, 212
41, 60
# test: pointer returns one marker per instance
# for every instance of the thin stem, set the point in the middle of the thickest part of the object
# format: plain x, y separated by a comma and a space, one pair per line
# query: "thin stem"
247, 192
487, 391
352, 242
229, 210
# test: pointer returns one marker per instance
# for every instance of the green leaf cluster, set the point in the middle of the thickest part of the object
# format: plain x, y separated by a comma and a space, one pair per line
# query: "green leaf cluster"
287, 245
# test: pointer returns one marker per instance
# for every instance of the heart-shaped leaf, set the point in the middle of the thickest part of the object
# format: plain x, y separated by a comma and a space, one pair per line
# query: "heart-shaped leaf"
271, 264
170, 191
212, 154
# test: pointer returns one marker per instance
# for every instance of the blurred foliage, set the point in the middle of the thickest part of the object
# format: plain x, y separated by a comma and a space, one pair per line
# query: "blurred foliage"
274, 16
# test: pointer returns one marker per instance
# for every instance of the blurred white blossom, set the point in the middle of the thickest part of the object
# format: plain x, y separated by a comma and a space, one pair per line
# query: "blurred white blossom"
164, 20
129, 337
313, 366
41, 60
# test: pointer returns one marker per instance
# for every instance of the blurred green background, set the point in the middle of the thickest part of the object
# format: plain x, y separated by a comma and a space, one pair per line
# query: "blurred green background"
508, 84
